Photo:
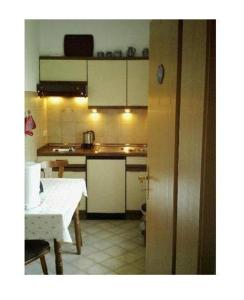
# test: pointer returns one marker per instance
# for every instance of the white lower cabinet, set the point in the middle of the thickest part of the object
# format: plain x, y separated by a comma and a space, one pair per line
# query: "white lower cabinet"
135, 190
106, 185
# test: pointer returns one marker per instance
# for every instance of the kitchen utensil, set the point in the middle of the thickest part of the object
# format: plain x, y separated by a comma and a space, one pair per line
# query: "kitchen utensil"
109, 54
117, 53
88, 139
145, 52
100, 54
32, 184
131, 52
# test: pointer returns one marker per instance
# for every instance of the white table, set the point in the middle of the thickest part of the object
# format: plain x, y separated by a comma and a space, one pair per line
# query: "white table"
52, 218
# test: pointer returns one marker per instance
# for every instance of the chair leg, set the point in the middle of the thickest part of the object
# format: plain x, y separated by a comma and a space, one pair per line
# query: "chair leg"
44, 265
77, 230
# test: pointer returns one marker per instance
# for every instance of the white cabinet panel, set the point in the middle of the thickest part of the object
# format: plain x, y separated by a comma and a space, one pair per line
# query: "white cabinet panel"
135, 190
107, 83
137, 82
106, 186
63, 70
136, 160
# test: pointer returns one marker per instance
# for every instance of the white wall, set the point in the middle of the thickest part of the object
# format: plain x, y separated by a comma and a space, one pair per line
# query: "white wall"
108, 34
31, 54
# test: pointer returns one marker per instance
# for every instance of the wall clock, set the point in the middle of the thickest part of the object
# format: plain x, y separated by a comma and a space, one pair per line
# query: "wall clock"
160, 74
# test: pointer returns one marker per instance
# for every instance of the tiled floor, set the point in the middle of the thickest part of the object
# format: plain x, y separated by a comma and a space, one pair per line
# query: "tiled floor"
109, 247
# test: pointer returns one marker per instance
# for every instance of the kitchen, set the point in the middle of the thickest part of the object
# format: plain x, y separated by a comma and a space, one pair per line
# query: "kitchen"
103, 134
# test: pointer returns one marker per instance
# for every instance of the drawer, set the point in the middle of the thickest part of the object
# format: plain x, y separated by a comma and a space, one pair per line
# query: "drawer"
136, 160
71, 159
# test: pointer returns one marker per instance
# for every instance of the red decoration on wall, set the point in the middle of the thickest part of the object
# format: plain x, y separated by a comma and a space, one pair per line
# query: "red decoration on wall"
29, 125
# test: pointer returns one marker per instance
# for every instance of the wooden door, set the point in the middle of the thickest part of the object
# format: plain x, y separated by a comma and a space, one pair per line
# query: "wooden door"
107, 83
137, 83
190, 145
162, 118
207, 232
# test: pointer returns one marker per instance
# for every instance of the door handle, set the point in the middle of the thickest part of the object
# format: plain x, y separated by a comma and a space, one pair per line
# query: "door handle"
143, 178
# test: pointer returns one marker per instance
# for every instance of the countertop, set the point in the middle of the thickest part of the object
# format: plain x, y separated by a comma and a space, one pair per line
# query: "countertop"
97, 150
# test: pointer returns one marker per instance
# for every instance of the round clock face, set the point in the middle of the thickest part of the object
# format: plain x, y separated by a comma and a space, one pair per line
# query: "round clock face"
160, 74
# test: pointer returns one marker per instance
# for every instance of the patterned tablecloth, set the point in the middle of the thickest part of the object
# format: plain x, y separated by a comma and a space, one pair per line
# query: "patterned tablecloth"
52, 218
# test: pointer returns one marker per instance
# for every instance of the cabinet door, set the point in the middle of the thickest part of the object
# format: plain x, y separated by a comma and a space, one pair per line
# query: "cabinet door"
135, 190
106, 185
137, 82
63, 70
107, 83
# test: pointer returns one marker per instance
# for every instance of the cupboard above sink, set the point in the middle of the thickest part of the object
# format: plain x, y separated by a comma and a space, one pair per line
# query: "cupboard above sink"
112, 83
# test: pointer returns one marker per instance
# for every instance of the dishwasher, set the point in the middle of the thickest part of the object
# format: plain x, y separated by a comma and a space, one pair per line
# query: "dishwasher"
106, 185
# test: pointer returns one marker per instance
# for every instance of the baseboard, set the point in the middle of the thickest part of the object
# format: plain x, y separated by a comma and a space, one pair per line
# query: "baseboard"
133, 214
106, 216
129, 215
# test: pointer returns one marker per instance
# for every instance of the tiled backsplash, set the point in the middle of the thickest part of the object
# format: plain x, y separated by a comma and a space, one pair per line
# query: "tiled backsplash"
68, 118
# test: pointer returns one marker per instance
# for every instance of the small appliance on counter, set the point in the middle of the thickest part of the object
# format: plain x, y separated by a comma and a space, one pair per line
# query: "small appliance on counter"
88, 139
32, 184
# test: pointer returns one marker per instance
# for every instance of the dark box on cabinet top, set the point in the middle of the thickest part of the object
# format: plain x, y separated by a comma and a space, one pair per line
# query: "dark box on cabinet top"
78, 45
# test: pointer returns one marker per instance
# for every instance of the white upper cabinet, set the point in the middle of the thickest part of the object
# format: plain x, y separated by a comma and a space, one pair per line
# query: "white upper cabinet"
107, 83
111, 83
63, 70
137, 82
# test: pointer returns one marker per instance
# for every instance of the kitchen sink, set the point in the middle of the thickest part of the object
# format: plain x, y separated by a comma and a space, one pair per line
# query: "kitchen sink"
64, 149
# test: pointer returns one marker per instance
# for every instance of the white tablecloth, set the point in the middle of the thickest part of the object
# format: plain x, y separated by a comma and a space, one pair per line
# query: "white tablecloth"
52, 218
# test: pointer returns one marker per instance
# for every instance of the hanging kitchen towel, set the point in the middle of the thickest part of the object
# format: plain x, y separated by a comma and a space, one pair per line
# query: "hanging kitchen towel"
33, 124
29, 125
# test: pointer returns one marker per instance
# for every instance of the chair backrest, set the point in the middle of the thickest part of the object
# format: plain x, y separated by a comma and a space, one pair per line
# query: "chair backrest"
47, 166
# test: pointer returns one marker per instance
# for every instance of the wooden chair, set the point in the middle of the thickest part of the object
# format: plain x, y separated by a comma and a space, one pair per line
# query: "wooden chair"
46, 168
36, 249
